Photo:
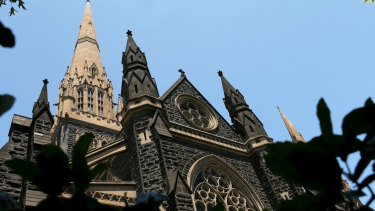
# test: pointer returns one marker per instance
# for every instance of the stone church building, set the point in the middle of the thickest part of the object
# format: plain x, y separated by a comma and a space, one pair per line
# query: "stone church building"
176, 143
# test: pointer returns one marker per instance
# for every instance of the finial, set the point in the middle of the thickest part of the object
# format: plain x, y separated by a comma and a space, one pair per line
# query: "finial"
129, 33
88, 1
220, 73
182, 72
45, 81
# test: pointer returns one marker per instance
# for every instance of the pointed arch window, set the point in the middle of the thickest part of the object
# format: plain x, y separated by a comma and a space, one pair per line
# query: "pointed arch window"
213, 182
90, 100
100, 103
80, 99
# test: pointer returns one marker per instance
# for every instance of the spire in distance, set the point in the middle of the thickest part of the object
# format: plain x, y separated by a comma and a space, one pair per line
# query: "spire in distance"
42, 100
293, 132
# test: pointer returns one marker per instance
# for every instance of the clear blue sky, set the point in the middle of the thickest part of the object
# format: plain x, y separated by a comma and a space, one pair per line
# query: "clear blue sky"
288, 53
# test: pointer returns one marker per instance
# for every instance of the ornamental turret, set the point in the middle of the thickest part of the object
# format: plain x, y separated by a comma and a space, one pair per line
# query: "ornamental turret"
137, 80
243, 118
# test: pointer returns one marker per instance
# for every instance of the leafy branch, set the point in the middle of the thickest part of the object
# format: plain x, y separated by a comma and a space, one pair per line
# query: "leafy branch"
19, 3
314, 165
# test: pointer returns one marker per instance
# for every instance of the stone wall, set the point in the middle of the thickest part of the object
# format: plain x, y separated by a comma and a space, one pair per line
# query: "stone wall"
276, 188
70, 132
147, 169
182, 155
16, 147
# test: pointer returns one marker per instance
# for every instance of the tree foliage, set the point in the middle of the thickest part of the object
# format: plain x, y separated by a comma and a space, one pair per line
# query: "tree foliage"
314, 165
53, 175
13, 5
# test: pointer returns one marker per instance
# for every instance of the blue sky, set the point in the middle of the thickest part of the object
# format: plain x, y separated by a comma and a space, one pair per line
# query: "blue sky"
288, 53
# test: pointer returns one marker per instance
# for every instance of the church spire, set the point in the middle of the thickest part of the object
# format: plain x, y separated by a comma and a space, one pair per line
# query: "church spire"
87, 25
87, 59
85, 91
293, 132
42, 100
242, 116
137, 80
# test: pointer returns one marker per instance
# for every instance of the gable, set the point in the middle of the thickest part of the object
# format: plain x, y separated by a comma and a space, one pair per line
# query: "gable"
183, 86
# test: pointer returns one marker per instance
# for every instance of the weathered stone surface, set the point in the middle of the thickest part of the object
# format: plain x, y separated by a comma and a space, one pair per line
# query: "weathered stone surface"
16, 147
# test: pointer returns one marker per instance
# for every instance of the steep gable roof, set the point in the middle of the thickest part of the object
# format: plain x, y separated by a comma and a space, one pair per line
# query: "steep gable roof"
184, 86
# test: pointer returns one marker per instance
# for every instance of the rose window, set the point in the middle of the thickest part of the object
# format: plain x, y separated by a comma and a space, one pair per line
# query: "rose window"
210, 188
196, 112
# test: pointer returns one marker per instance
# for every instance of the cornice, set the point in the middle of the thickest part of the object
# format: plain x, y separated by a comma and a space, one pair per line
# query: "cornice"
87, 39
197, 136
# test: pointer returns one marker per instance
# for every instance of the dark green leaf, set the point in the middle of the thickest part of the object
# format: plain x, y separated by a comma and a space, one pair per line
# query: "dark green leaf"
369, 179
54, 166
26, 169
6, 101
363, 208
98, 169
219, 207
300, 203
21, 4
324, 118
302, 164
361, 165
80, 171
355, 193
359, 121
369, 102
336, 145
12, 11
52, 203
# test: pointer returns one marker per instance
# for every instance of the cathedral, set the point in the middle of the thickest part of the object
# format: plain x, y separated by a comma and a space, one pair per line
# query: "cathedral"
175, 144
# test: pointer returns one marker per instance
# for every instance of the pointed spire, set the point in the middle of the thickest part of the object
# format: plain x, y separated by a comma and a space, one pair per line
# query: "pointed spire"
242, 116
87, 25
86, 53
42, 100
131, 43
293, 132
137, 80
86, 71
227, 87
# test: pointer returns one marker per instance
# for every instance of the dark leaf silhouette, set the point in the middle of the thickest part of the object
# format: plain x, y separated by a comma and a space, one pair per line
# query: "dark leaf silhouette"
80, 171
6, 102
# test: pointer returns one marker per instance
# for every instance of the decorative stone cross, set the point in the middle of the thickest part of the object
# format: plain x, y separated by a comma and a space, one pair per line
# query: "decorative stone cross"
129, 33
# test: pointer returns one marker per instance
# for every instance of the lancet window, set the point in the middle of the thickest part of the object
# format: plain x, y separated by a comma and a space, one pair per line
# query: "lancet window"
100, 103
213, 186
90, 100
80, 99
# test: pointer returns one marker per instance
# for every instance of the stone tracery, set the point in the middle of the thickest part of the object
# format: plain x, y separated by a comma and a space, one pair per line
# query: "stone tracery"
212, 186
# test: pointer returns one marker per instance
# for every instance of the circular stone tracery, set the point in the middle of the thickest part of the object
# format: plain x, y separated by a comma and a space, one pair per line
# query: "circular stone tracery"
212, 187
196, 112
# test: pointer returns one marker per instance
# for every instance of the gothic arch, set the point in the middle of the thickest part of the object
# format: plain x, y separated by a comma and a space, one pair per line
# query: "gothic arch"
213, 181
